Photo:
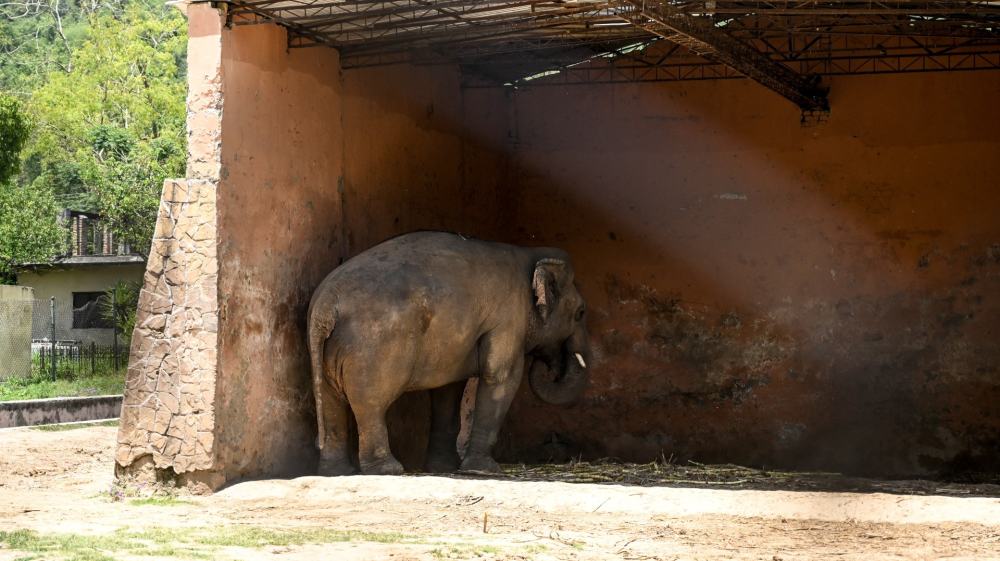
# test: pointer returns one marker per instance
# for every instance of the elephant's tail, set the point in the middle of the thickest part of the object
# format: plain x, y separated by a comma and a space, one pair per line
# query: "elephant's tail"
320, 329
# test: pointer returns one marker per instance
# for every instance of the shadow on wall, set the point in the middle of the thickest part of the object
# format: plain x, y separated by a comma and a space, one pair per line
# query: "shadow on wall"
760, 293
767, 294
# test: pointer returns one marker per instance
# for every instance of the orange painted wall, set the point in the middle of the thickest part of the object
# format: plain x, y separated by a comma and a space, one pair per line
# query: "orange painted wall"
769, 294
760, 293
413, 161
278, 211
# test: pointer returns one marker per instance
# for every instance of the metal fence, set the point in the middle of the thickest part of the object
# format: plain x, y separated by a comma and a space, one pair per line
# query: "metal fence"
55, 339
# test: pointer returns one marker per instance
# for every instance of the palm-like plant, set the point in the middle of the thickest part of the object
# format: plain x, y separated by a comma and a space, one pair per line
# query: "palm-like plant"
119, 305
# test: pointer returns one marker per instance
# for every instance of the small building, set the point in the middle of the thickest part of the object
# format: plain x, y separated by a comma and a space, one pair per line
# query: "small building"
78, 280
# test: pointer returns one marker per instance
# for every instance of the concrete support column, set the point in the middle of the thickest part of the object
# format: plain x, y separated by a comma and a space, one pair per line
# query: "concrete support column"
218, 380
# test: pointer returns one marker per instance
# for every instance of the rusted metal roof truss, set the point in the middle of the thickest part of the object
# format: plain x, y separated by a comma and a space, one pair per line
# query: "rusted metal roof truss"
784, 45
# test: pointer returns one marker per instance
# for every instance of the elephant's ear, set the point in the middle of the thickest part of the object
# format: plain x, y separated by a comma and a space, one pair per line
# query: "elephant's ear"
545, 283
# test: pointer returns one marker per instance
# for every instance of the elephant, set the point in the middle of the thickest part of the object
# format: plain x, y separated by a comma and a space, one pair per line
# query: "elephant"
428, 311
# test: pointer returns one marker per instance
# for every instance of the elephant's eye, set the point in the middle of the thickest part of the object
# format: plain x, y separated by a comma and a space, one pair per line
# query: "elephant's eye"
579, 313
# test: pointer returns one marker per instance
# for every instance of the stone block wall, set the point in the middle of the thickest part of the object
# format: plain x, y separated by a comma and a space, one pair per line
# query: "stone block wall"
218, 381
168, 416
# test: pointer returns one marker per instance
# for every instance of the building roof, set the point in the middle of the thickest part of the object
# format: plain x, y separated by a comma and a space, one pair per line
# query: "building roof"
787, 46
783, 44
85, 261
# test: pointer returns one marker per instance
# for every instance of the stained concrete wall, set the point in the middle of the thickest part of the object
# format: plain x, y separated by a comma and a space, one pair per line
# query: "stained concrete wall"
413, 161
218, 383
30, 412
768, 294
759, 293
279, 217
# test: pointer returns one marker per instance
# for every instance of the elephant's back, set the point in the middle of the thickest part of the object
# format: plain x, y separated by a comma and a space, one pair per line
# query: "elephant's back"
426, 261
429, 296
426, 273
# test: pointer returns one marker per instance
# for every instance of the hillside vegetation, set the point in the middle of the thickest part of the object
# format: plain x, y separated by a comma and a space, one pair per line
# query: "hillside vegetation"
91, 117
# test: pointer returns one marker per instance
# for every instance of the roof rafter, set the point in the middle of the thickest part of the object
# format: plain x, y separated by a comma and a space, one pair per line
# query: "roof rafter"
783, 44
714, 44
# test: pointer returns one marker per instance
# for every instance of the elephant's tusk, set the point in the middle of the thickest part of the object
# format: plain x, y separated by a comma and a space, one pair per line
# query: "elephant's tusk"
579, 358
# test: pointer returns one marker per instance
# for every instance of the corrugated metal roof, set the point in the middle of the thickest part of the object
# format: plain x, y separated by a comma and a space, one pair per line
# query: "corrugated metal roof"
508, 40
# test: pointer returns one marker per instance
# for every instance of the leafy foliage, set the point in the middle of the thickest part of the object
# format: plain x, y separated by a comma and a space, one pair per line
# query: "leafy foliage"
14, 131
103, 83
28, 229
39, 386
119, 307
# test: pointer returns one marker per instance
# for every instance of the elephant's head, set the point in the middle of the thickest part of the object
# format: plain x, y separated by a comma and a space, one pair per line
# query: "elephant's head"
559, 353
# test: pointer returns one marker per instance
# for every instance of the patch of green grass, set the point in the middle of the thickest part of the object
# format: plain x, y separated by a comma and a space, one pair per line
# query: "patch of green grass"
73, 547
207, 543
250, 536
72, 426
464, 551
187, 543
42, 387
159, 501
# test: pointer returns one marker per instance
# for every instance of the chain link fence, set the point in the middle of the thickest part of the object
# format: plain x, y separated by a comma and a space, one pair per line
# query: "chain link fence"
60, 338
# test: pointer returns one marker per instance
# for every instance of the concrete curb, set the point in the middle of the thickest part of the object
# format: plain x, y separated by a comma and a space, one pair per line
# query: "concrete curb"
31, 412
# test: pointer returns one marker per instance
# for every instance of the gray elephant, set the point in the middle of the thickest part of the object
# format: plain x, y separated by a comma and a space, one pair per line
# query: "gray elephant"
428, 311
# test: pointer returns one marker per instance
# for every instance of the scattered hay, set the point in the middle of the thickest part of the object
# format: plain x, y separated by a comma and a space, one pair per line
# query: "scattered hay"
729, 476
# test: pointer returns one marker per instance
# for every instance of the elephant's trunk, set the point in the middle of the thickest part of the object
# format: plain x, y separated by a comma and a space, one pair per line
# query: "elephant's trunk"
561, 379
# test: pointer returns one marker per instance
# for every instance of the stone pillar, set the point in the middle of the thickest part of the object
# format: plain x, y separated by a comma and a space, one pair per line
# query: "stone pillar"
218, 381
168, 418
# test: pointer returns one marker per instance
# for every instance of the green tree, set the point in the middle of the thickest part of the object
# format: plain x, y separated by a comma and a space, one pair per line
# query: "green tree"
14, 132
38, 37
103, 84
110, 129
28, 228
119, 306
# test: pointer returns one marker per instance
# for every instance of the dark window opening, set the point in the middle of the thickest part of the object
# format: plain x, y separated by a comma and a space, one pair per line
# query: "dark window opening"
88, 308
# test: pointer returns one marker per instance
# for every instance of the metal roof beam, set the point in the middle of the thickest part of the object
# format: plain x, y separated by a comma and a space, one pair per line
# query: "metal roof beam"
465, 31
702, 37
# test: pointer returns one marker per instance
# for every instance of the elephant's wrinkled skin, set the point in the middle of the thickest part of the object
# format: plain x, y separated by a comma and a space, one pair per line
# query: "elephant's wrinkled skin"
427, 311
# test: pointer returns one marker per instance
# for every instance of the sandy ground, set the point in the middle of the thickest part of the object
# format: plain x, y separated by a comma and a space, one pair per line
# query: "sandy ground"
57, 483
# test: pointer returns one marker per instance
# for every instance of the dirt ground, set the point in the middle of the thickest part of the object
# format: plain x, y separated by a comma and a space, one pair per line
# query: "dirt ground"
58, 501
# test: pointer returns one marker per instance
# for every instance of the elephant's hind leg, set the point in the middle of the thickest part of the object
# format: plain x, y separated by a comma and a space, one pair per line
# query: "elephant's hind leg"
442, 452
373, 443
370, 397
335, 456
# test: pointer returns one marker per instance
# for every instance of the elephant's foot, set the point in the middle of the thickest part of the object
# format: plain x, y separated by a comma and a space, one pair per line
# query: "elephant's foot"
442, 462
329, 467
385, 466
480, 464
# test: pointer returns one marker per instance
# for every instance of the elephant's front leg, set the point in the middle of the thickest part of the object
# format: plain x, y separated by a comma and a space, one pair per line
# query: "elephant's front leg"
442, 451
497, 386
